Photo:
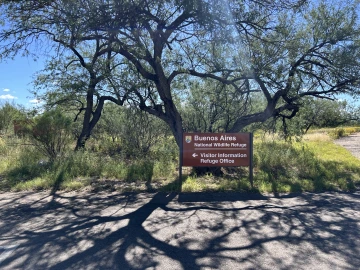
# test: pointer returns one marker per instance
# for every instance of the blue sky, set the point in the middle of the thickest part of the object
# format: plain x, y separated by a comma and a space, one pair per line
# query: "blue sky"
15, 80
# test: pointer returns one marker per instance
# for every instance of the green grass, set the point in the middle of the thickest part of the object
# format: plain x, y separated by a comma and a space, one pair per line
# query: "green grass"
24, 168
235, 180
342, 168
37, 183
315, 164
307, 166
192, 184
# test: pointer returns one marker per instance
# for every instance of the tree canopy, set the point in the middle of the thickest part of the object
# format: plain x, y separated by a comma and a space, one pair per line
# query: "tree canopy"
148, 53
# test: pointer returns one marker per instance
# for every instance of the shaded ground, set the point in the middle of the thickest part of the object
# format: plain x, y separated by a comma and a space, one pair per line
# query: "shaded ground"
186, 231
351, 143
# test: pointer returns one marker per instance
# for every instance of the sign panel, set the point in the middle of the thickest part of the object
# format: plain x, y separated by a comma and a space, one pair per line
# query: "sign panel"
216, 149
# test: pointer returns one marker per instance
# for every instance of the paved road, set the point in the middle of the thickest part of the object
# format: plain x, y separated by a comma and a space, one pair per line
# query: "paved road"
351, 143
186, 231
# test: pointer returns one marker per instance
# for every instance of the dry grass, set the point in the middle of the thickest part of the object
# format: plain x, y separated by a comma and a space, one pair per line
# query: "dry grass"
317, 137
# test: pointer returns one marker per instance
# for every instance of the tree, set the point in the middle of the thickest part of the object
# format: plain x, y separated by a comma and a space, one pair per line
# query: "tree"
314, 53
319, 113
9, 112
145, 40
286, 56
82, 61
286, 51
213, 107
68, 84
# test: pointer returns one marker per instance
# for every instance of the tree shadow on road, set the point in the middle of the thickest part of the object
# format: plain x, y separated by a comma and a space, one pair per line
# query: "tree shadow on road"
186, 231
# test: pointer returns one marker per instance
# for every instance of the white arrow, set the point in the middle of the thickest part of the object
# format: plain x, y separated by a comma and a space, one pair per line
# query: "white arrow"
194, 155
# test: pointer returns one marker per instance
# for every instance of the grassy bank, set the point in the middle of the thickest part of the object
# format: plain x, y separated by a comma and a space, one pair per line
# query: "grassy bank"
315, 164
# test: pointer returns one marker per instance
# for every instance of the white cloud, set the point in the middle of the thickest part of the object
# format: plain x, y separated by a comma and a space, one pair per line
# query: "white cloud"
6, 90
8, 96
35, 101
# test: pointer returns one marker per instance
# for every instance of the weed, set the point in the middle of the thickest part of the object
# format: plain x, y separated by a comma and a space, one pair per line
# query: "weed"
191, 184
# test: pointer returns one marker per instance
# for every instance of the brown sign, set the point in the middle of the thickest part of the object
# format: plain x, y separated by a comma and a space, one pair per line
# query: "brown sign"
216, 149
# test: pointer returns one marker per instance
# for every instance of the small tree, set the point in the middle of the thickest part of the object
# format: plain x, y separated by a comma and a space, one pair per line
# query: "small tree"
137, 131
51, 133
318, 113
9, 112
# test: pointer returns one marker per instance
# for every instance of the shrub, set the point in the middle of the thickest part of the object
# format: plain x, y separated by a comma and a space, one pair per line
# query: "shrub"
114, 168
79, 163
350, 130
140, 170
133, 133
51, 133
337, 133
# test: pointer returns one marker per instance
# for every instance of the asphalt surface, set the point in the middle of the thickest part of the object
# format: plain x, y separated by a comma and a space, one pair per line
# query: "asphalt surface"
186, 231
351, 143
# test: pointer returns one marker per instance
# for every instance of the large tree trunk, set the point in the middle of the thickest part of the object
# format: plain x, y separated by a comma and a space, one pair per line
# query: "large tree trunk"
86, 131
175, 122
90, 117
89, 122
